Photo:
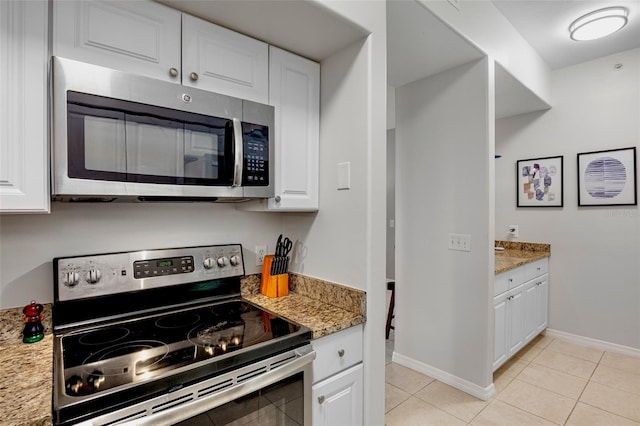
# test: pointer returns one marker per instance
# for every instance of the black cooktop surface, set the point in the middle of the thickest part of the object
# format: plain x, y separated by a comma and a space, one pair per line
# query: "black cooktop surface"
139, 350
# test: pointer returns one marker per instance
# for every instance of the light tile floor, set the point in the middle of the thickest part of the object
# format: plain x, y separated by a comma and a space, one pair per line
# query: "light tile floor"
549, 382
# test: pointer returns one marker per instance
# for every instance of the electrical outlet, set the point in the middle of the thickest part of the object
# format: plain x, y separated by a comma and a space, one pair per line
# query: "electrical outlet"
513, 231
261, 252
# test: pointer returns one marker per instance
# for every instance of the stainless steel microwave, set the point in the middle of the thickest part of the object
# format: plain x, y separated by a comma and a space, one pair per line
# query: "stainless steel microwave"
121, 136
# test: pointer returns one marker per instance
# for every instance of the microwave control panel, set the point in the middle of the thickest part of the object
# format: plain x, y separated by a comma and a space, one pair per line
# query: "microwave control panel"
256, 154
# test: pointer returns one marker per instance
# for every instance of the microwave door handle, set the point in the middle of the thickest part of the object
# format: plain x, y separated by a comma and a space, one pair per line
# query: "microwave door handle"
238, 153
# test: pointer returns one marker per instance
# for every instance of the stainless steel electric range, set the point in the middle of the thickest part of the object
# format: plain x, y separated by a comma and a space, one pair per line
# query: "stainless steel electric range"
163, 337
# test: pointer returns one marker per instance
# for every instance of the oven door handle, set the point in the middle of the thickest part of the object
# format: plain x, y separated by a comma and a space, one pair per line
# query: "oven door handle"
190, 409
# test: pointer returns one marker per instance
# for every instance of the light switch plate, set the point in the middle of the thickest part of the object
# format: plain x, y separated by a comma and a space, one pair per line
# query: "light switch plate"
459, 242
344, 175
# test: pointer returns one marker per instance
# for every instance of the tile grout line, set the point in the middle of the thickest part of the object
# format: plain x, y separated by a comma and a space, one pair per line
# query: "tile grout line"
585, 387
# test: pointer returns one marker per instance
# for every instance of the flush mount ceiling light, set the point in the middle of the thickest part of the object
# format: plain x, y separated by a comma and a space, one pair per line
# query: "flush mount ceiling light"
599, 23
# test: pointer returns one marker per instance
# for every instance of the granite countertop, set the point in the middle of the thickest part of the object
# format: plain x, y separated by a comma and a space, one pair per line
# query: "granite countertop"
321, 318
26, 370
517, 254
322, 306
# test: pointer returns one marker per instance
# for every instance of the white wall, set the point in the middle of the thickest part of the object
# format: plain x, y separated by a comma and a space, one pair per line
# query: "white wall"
28, 243
594, 267
444, 148
345, 241
481, 23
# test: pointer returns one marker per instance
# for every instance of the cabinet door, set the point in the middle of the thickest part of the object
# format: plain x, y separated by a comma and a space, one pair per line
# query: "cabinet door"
338, 399
295, 94
530, 305
515, 307
542, 303
501, 328
220, 60
140, 37
24, 55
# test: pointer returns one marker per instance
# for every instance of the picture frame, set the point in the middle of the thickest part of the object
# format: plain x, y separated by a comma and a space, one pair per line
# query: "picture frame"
540, 182
607, 178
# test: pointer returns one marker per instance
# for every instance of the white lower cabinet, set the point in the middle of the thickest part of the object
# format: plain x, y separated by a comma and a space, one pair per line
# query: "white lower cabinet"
509, 324
337, 379
24, 56
520, 309
337, 401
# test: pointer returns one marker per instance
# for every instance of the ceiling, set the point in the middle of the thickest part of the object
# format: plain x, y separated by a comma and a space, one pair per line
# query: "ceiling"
420, 45
544, 24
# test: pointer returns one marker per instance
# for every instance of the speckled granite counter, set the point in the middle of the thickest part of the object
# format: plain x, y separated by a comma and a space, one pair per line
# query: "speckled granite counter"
26, 370
517, 254
322, 306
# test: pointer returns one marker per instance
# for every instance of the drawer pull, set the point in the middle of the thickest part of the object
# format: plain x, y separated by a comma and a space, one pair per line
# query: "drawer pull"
321, 399
510, 280
173, 72
341, 353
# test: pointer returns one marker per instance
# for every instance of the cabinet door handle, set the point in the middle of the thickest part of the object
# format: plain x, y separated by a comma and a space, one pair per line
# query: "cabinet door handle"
510, 280
193, 76
173, 72
321, 399
278, 199
341, 353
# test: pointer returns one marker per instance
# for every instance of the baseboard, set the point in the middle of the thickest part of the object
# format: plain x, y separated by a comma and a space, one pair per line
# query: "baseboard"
593, 343
464, 385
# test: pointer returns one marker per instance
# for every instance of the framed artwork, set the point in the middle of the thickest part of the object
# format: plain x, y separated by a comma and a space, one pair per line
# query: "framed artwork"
539, 182
607, 178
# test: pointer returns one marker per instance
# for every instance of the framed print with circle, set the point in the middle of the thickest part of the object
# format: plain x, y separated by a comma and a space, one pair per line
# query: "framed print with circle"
539, 182
607, 178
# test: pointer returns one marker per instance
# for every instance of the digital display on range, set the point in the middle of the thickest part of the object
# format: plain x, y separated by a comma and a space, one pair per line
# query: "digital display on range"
160, 267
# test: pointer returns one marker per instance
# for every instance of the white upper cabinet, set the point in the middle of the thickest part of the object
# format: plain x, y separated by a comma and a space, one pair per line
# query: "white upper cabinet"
294, 91
134, 36
24, 158
148, 38
220, 60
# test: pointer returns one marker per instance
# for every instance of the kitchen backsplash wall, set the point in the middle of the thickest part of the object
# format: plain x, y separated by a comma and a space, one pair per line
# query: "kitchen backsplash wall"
28, 243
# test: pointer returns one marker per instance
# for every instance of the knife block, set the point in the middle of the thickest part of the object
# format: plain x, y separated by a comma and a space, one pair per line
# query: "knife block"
273, 285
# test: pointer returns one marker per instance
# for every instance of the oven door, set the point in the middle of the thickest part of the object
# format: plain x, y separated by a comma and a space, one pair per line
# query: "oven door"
272, 392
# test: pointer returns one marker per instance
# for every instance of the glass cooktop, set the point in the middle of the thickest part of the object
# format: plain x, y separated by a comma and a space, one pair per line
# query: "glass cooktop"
109, 356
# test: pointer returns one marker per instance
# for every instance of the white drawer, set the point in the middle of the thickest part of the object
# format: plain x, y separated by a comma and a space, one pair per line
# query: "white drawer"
508, 280
336, 352
535, 269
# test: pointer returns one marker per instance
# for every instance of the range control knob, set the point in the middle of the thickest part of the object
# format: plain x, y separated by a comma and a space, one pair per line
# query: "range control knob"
207, 262
74, 385
95, 380
71, 279
93, 276
222, 261
235, 260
